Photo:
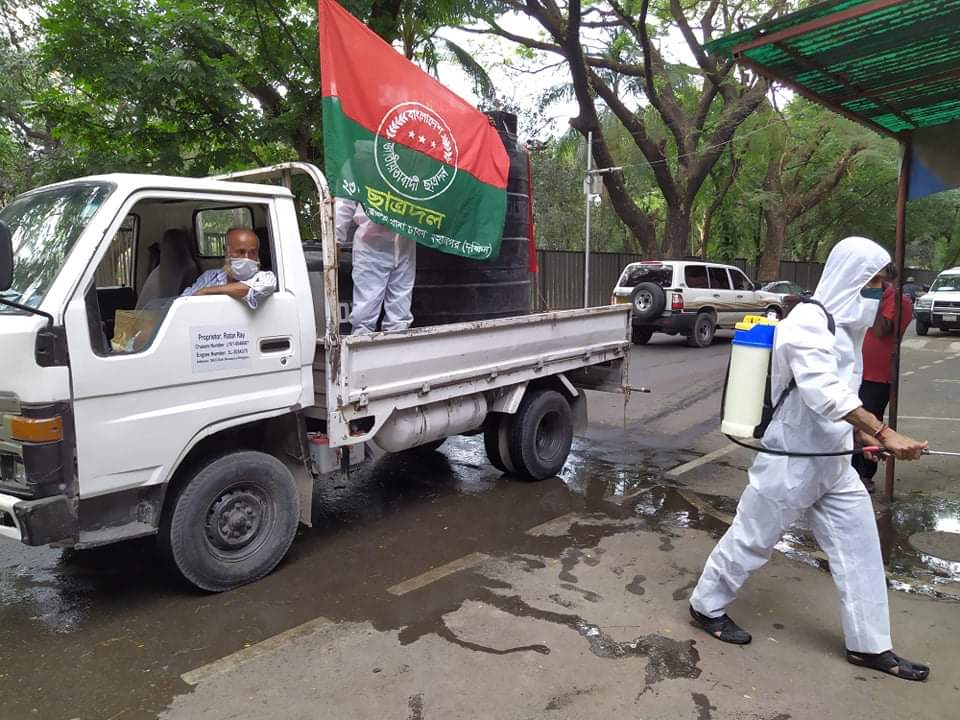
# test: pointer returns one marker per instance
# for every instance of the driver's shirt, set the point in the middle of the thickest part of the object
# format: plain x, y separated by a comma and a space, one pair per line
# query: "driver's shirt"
262, 285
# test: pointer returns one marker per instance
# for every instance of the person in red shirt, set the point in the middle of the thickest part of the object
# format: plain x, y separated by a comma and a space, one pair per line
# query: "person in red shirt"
877, 353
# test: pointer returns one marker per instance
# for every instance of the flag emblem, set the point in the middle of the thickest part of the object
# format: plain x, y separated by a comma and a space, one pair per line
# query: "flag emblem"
416, 126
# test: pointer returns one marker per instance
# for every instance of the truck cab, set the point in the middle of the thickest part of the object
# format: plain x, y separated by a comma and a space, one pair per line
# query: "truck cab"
129, 409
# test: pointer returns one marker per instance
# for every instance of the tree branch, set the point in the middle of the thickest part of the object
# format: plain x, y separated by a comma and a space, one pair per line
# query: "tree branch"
513, 37
671, 112
651, 150
718, 198
706, 63
730, 119
828, 183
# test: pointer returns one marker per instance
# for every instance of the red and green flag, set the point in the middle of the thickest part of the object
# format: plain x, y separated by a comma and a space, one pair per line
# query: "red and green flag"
420, 159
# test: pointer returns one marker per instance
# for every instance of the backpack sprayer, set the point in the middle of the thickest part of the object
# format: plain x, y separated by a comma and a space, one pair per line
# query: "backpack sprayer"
748, 406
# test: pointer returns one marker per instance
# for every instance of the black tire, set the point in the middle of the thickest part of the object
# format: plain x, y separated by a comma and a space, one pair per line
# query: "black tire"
648, 301
232, 522
641, 336
541, 434
495, 441
776, 310
922, 328
703, 331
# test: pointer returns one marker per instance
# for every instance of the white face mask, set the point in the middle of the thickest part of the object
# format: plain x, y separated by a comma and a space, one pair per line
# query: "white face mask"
869, 307
243, 268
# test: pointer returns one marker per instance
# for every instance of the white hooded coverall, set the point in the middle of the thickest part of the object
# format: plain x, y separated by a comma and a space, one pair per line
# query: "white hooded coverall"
824, 490
384, 271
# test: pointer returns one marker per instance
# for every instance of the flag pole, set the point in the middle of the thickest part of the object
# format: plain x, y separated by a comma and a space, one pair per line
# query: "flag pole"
586, 247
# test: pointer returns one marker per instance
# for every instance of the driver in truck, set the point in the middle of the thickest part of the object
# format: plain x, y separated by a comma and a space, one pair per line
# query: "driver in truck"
240, 277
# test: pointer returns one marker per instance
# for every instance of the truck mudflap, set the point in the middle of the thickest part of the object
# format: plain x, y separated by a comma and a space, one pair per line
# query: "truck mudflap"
38, 522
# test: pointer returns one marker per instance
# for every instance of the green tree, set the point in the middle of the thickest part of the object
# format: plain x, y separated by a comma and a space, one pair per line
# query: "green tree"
194, 86
808, 156
699, 108
29, 151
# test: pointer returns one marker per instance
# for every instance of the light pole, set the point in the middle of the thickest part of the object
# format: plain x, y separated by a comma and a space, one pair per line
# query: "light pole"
592, 185
587, 187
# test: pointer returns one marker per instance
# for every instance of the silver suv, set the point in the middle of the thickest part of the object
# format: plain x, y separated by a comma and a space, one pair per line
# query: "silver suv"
691, 298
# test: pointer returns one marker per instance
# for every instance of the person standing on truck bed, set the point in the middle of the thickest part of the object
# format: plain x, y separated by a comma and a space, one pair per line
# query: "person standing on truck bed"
240, 277
384, 269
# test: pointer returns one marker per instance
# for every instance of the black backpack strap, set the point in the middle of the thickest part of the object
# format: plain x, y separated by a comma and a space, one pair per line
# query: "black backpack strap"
792, 385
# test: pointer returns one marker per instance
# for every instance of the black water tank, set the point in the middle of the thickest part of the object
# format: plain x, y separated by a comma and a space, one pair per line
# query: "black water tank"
313, 254
452, 289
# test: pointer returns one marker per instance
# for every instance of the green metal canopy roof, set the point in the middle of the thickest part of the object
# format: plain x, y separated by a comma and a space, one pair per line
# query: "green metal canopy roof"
893, 65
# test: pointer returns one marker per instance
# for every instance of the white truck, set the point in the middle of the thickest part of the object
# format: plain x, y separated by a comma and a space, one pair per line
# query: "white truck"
127, 410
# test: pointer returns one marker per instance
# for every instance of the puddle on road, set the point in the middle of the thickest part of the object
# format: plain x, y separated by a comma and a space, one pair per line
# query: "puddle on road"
909, 570
930, 575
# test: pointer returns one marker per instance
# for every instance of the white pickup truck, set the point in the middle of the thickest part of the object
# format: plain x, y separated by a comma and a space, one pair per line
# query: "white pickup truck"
127, 410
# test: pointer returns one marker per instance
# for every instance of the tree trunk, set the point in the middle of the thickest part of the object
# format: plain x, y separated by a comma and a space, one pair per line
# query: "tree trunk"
769, 267
676, 240
642, 231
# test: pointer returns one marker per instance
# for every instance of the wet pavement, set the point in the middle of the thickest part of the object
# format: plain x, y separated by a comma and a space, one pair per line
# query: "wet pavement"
93, 633
108, 633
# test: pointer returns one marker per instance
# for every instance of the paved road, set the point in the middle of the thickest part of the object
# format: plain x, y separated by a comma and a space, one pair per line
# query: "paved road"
431, 584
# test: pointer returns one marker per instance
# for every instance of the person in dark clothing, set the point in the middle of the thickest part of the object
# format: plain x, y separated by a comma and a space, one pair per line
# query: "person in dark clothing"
877, 352
911, 288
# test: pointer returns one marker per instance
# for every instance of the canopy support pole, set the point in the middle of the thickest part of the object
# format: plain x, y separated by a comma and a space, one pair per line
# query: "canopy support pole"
903, 190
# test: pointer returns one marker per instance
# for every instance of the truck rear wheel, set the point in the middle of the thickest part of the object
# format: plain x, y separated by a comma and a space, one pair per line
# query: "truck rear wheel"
541, 434
496, 441
233, 522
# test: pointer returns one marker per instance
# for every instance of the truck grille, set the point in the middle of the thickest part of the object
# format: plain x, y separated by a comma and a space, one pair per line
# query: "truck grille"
947, 305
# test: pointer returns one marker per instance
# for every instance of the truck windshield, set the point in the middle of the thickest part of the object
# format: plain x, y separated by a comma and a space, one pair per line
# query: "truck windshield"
946, 283
45, 225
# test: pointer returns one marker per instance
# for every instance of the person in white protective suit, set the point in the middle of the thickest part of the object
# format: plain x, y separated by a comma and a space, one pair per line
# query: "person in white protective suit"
819, 415
384, 270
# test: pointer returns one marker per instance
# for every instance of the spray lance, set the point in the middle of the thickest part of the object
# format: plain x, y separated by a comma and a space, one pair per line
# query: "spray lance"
747, 405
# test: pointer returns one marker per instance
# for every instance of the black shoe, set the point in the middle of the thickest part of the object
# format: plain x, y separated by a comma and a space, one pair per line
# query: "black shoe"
891, 664
722, 628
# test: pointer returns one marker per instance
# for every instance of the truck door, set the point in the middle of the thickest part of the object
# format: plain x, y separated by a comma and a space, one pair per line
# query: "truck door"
164, 370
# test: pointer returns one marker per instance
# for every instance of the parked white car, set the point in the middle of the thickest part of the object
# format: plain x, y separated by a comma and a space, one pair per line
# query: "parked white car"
940, 307
689, 297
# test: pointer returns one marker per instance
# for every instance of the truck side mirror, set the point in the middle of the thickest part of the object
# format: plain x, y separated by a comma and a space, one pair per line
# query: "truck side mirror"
6, 257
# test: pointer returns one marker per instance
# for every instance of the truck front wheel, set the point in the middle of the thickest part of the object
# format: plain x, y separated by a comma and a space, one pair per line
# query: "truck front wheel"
541, 434
232, 522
